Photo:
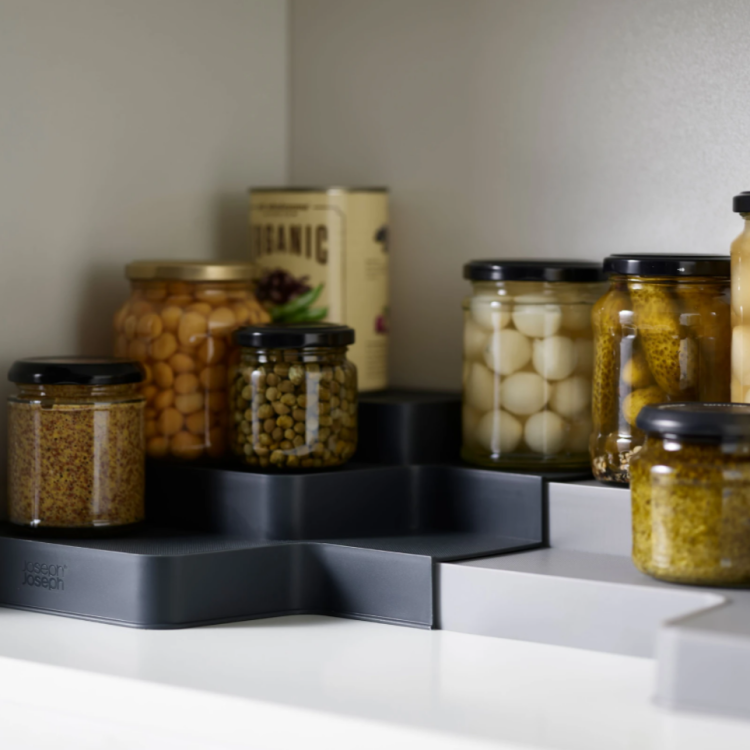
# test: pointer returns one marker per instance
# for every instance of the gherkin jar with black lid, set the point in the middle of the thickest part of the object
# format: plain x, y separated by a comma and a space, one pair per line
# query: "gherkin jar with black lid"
528, 359
293, 396
691, 494
76, 445
661, 334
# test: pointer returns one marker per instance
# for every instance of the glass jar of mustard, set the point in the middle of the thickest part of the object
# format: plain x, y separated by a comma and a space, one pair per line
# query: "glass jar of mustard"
293, 396
661, 334
528, 361
76, 445
178, 323
690, 488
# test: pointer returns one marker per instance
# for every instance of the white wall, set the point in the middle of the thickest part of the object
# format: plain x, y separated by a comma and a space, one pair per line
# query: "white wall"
128, 128
534, 128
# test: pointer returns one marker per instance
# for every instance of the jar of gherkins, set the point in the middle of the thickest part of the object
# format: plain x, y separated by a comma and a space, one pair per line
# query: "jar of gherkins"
293, 396
691, 494
661, 334
528, 361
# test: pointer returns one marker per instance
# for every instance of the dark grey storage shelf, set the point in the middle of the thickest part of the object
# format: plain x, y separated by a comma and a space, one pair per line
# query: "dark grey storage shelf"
224, 543
355, 501
173, 580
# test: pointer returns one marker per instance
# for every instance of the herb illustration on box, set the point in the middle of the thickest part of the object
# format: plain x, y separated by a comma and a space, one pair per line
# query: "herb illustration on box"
289, 299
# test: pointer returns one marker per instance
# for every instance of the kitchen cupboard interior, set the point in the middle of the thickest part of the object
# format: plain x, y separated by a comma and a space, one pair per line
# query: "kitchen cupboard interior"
112, 156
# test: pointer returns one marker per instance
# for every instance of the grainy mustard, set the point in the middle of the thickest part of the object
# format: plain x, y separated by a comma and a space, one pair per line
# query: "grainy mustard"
691, 494
76, 456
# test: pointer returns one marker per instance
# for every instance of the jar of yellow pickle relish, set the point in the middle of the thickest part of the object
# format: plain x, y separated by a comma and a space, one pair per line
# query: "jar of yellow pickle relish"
661, 334
691, 494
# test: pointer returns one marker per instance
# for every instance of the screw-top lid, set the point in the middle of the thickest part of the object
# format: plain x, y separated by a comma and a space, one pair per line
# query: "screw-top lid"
668, 265
702, 422
533, 270
75, 371
188, 270
294, 335
741, 203
319, 189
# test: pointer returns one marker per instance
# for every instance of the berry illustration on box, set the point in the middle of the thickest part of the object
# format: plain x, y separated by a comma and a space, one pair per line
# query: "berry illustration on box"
289, 299
381, 322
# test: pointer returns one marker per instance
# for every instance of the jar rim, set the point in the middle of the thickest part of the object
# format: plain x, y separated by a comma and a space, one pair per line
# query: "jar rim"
189, 270
704, 422
91, 371
533, 270
294, 336
666, 264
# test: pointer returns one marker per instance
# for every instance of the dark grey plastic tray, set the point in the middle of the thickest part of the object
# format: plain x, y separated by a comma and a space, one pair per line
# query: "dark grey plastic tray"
168, 579
409, 427
224, 543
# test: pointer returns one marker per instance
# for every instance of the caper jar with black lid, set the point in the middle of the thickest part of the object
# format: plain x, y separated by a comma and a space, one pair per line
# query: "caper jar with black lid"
528, 359
661, 334
293, 396
691, 494
76, 445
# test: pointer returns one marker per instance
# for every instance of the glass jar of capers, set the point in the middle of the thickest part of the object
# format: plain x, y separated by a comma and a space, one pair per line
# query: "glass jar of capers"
690, 488
661, 334
293, 396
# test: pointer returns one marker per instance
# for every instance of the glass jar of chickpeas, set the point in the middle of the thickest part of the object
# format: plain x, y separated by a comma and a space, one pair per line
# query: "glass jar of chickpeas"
179, 323
293, 396
528, 361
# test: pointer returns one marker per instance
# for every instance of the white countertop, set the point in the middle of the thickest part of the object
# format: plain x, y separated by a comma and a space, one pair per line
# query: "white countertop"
323, 682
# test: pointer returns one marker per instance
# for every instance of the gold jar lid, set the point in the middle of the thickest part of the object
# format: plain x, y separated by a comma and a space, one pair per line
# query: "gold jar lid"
189, 270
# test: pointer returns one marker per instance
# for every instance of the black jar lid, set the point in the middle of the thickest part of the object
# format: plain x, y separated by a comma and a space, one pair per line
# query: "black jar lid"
533, 270
75, 371
741, 203
294, 335
713, 423
667, 265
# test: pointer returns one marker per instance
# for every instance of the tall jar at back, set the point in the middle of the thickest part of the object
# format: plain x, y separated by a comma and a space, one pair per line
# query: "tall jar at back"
528, 360
741, 304
179, 323
661, 334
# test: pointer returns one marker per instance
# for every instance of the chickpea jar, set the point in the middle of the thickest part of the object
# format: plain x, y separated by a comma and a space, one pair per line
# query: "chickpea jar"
691, 494
179, 323
528, 360
293, 396
76, 445
661, 334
